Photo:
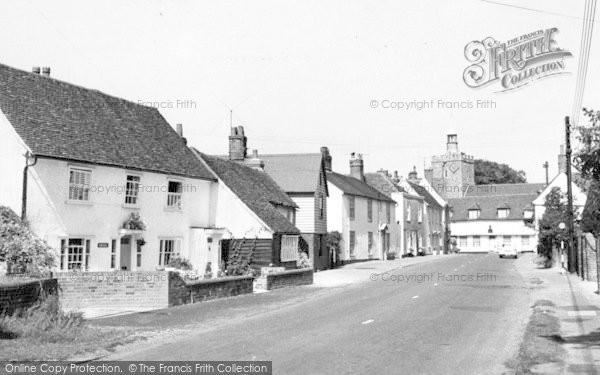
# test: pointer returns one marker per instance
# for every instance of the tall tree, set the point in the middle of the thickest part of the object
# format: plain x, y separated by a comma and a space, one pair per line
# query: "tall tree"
587, 160
489, 172
550, 234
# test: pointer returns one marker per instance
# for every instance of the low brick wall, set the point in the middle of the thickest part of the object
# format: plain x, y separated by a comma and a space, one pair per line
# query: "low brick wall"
282, 279
139, 290
24, 295
183, 292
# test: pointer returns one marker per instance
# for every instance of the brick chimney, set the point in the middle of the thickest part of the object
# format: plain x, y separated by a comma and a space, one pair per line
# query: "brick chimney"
562, 160
46, 71
326, 158
412, 175
396, 178
255, 162
357, 167
237, 144
179, 129
36, 70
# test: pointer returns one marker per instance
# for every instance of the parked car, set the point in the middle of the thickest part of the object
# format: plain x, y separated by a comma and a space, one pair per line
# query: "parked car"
508, 251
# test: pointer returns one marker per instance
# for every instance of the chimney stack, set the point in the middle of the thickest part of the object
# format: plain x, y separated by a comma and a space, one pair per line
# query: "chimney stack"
46, 71
357, 166
412, 175
180, 130
562, 160
396, 178
452, 144
237, 144
255, 162
326, 158
36, 70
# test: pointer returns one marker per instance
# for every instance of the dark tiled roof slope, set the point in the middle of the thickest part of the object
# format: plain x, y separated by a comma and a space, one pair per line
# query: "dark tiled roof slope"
60, 120
382, 183
353, 186
489, 205
294, 173
256, 189
422, 191
503, 189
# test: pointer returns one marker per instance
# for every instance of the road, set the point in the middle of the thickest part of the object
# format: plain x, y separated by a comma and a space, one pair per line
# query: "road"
428, 324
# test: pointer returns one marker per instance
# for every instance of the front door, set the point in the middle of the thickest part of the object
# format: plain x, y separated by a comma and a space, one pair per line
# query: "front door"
492, 243
126, 253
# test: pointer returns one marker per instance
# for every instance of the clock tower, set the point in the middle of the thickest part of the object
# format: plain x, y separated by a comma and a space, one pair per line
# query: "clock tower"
452, 173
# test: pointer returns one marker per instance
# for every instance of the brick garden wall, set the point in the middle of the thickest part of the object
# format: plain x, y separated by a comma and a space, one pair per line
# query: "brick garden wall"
587, 262
144, 290
183, 292
282, 279
24, 295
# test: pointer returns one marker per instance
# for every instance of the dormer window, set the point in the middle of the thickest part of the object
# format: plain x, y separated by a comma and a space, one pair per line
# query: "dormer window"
503, 213
528, 214
474, 214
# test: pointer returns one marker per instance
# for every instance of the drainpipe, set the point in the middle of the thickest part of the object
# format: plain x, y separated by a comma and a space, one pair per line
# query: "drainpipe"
28, 156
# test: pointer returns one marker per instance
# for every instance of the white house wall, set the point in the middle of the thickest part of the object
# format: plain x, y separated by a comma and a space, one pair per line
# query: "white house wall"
12, 162
53, 217
500, 228
233, 214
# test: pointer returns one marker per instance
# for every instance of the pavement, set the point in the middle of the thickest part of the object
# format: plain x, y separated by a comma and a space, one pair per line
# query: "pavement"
459, 314
576, 305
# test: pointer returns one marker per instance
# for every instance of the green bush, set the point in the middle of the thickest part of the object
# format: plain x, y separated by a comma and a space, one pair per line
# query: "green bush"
180, 263
20, 248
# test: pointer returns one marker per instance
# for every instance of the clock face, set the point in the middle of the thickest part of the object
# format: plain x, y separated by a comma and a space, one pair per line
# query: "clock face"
454, 167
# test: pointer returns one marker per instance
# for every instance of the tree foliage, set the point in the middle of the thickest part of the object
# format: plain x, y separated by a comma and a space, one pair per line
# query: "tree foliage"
549, 232
587, 160
21, 248
489, 172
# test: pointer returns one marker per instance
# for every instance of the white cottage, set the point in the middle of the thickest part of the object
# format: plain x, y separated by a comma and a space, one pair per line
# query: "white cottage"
77, 163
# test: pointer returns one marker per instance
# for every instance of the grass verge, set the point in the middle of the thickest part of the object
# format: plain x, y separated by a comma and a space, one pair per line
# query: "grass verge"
45, 332
540, 349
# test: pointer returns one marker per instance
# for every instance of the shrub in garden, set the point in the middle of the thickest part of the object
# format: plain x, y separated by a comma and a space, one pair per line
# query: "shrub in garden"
20, 248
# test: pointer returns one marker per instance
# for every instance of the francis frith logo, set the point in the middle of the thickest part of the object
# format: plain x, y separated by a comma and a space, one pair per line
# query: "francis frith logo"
514, 63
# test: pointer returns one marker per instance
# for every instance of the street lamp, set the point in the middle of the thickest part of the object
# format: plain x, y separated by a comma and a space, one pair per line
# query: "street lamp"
562, 226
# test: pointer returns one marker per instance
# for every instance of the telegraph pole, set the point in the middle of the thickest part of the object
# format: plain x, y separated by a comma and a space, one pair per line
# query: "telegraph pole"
572, 257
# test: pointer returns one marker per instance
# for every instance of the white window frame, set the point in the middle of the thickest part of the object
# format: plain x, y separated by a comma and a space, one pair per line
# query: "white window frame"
462, 241
79, 188
132, 194
506, 240
289, 248
370, 242
70, 259
476, 241
505, 213
351, 207
174, 199
174, 250
477, 213
388, 212
369, 210
420, 214
408, 212
352, 242
525, 240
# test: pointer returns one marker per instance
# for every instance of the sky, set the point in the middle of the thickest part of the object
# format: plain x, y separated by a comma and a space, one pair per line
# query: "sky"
299, 75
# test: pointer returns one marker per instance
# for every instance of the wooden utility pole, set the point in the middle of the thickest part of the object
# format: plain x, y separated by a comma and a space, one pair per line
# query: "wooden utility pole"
572, 256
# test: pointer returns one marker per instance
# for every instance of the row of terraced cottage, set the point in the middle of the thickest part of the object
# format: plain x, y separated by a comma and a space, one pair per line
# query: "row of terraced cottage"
111, 186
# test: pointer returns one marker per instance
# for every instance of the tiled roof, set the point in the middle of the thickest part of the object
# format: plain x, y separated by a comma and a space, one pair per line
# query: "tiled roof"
353, 186
256, 190
294, 173
489, 206
382, 183
503, 189
424, 192
59, 120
